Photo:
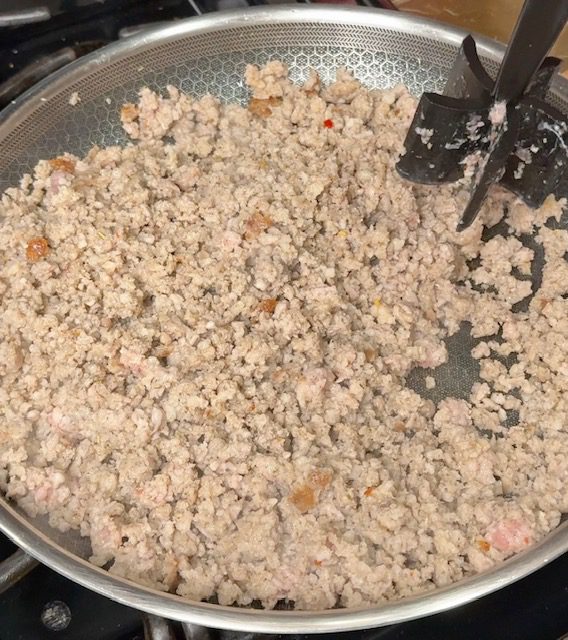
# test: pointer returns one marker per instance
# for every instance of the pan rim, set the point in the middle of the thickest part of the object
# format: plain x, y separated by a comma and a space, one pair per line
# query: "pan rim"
38, 545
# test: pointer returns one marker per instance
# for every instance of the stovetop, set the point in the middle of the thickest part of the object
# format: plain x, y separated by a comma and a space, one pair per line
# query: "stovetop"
45, 606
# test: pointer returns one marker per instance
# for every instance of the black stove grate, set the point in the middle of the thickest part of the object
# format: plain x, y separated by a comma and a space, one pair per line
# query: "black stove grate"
46, 606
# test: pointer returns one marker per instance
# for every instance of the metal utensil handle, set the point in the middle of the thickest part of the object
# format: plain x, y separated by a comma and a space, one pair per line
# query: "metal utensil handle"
14, 568
538, 26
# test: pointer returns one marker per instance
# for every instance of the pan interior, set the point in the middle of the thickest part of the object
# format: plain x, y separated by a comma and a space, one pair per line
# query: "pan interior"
380, 56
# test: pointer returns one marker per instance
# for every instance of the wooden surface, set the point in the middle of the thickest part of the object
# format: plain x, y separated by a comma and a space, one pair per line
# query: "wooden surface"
494, 18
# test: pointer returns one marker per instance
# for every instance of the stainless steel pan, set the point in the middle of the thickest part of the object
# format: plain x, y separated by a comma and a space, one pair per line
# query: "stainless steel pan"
208, 54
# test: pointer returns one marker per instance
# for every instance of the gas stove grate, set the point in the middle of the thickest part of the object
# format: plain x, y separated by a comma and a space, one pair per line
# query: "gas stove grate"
35, 42
37, 603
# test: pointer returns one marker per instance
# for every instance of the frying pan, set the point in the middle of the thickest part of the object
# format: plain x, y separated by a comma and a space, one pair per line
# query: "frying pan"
208, 54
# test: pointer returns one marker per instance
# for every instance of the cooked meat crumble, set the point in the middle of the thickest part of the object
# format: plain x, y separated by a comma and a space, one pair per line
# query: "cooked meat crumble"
205, 339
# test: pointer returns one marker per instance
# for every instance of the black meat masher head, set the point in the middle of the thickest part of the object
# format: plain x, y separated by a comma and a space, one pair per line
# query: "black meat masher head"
455, 131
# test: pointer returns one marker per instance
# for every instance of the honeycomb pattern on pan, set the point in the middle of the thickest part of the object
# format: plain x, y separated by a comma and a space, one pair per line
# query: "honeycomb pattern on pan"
205, 63
200, 64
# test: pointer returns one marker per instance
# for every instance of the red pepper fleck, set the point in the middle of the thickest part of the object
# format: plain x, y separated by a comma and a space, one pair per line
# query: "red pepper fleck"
328, 124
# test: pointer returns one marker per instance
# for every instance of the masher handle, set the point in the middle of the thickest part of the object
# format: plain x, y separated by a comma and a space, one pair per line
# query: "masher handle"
538, 26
